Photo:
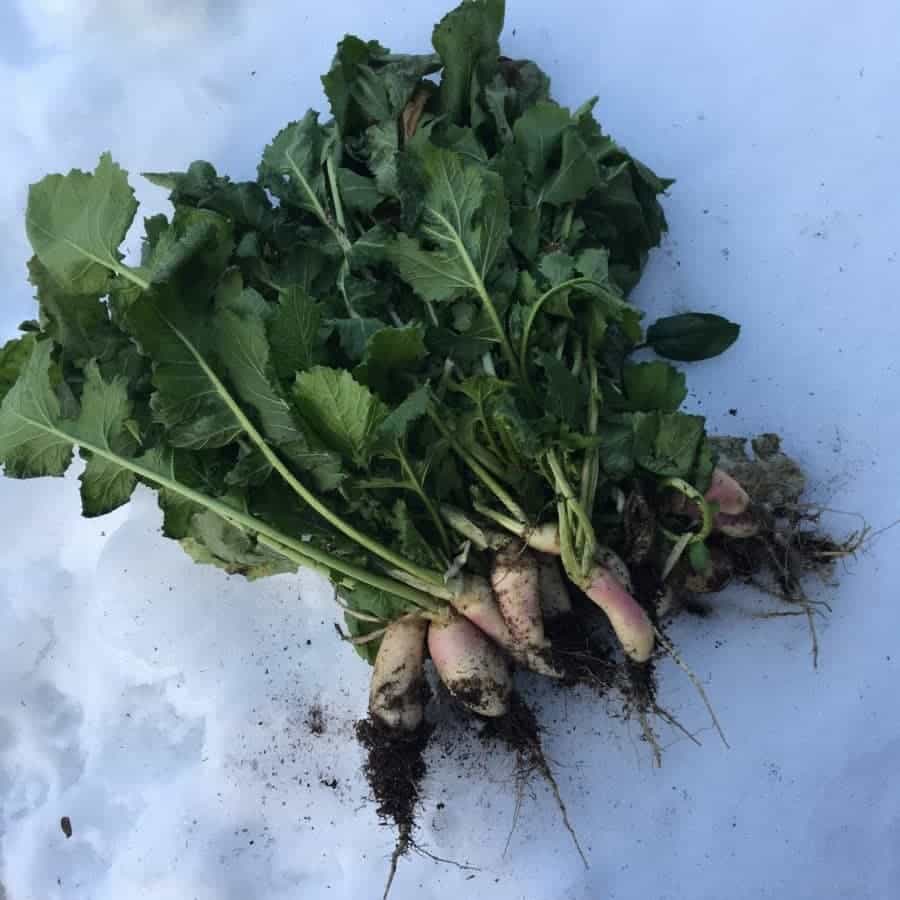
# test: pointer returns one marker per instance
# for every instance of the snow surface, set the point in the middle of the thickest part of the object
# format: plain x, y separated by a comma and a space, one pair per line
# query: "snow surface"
166, 709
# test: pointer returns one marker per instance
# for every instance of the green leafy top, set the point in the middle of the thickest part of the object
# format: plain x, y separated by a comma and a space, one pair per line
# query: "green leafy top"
420, 301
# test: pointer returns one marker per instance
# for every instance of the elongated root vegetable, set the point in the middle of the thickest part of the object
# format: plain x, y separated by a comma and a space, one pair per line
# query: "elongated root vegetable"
742, 526
627, 617
475, 600
471, 666
396, 697
555, 600
611, 560
515, 580
724, 490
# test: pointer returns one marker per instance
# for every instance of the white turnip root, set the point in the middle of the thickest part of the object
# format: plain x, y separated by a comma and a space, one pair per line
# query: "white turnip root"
555, 600
742, 526
730, 496
476, 601
471, 666
627, 617
611, 560
515, 580
396, 691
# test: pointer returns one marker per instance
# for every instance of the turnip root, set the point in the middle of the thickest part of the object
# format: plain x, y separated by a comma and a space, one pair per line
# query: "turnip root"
730, 496
742, 526
628, 619
718, 573
609, 559
476, 601
515, 580
473, 668
396, 691
555, 600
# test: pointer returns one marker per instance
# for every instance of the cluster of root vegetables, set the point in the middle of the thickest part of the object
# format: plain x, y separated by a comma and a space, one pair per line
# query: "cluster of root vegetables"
527, 615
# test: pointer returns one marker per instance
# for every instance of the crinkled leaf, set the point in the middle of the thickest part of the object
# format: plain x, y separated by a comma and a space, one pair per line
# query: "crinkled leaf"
615, 448
383, 141
654, 385
212, 540
242, 202
692, 336
354, 334
359, 193
396, 423
391, 353
466, 216
76, 223
14, 355
667, 443
291, 166
30, 445
296, 333
565, 395
78, 323
367, 83
340, 410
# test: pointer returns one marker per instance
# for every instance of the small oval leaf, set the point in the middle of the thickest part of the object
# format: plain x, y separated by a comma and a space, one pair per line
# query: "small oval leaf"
692, 336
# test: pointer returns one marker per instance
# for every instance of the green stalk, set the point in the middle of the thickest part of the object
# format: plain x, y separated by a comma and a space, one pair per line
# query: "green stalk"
373, 546
539, 304
572, 506
320, 559
428, 503
486, 478
336, 195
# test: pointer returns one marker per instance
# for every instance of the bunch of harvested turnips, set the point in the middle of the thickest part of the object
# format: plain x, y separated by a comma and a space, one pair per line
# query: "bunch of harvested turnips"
405, 357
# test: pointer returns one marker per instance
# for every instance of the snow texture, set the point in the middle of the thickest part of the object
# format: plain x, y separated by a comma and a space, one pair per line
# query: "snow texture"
171, 712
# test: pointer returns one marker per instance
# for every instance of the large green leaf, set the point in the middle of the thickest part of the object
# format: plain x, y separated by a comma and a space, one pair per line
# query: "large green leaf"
692, 336
76, 223
654, 385
30, 445
368, 84
13, 357
296, 333
292, 166
341, 411
467, 41
466, 217
667, 443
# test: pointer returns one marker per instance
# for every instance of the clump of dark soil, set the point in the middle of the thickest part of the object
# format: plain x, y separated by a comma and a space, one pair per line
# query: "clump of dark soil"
394, 768
315, 720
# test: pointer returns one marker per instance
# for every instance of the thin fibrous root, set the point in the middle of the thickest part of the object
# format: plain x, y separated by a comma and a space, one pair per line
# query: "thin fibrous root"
650, 737
402, 845
666, 716
676, 658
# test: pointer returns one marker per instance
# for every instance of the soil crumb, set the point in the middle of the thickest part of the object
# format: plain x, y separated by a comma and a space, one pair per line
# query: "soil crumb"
315, 720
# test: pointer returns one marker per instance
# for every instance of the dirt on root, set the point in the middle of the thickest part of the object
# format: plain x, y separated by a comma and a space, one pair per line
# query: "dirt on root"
394, 768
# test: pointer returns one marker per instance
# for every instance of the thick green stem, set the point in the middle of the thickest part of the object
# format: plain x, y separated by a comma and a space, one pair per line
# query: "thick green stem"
572, 506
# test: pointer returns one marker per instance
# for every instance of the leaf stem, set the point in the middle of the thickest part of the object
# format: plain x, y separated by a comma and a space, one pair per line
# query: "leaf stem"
428, 503
486, 478
308, 497
539, 304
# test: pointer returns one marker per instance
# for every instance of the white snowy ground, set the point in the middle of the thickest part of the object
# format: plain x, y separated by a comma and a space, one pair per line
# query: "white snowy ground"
165, 708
